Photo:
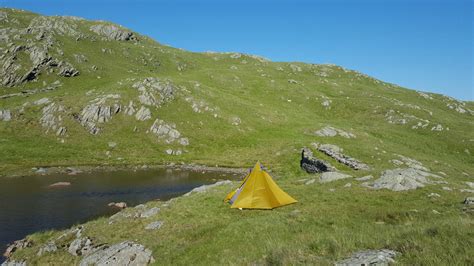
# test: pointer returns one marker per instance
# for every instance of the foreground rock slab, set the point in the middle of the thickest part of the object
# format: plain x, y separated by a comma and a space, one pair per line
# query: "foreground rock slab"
125, 253
380, 257
332, 176
401, 179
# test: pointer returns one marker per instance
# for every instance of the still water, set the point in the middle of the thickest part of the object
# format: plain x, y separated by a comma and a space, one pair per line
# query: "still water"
28, 204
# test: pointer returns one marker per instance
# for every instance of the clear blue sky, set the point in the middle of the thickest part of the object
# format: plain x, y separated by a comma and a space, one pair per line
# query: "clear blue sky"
419, 44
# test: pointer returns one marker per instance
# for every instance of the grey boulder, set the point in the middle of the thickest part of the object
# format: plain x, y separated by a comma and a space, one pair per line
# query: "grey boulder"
380, 257
125, 253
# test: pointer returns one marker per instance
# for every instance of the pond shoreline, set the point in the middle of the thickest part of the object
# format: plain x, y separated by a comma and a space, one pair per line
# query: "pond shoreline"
74, 170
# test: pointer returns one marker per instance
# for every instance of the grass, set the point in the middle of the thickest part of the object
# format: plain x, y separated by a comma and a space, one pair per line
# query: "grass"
278, 118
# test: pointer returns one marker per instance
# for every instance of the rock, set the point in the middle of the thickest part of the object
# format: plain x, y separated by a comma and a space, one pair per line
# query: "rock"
412, 163
205, 188
112, 32
438, 127
184, 141
336, 153
470, 184
99, 110
432, 195
292, 81
164, 131
236, 121
400, 179
65, 69
47, 248
5, 115
125, 253
120, 205
311, 164
17, 245
154, 225
60, 184
42, 101
364, 178
348, 185
149, 213
329, 131
309, 182
447, 188
143, 114
467, 190
369, 257
332, 176
41, 171
112, 145
51, 119
72, 171
130, 109
469, 201
81, 246
14, 263
154, 92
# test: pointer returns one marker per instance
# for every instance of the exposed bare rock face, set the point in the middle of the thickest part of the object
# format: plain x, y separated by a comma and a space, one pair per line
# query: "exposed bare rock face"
112, 32
329, 131
311, 164
369, 257
124, 253
5, 115
401, 179
51, 119
168, 132
336, 153
100, 110
143, 114
154, 92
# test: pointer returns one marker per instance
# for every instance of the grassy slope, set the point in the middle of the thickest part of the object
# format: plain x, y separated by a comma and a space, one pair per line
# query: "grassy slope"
278, 118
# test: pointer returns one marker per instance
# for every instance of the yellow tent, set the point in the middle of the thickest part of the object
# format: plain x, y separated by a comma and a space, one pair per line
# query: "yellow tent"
258, 191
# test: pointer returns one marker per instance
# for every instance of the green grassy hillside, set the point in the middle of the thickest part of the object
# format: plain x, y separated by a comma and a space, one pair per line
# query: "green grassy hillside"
232, 109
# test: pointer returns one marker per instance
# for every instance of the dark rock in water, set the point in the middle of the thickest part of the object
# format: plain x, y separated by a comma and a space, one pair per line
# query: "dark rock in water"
369, 257
125, 253
17, 245
311, 164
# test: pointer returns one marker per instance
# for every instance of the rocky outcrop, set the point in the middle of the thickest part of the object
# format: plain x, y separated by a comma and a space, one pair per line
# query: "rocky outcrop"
154, 92
154, 225
98, 111
139, 211
65, 69
336, 153
81, 246
47, 248
401, 179
17, 245
329, 131
167, 132
63, 26
5, 115
311, 164
113, 33
124, 253
51, 119
205, 188
369, 257
142, 114
14, 263
332, 176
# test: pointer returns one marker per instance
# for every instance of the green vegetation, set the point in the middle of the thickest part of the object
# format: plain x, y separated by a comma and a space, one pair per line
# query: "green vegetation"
279, 106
